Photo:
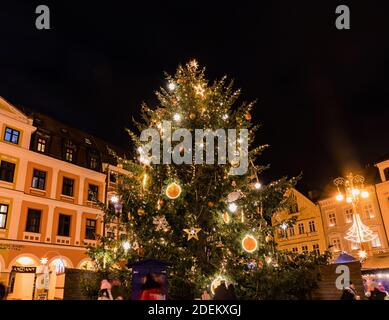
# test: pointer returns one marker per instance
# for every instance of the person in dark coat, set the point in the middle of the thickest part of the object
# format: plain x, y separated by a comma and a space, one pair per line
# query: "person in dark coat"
3, 291
231, 292
221, 292
349, 293
375, 293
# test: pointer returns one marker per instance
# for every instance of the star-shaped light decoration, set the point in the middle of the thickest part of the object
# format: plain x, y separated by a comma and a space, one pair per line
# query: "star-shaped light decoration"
193, 233
200, 90
193, 64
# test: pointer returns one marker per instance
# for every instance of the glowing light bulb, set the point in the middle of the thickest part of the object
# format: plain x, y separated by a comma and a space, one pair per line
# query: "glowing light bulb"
355, 192
171, 86
114, 199
339, 197
232, 207
126, 245
365, 194
349, 199
284, 226
257, 185
176, 117
362, 254
225, 117
43, 261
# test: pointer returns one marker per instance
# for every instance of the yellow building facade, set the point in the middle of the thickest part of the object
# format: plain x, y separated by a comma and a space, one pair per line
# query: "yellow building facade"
338, 218
48, 211
307, 234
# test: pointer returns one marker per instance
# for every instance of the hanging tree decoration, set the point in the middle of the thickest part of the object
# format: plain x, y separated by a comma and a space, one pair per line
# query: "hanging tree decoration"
161, 223
173, 190
192, 233
249, 244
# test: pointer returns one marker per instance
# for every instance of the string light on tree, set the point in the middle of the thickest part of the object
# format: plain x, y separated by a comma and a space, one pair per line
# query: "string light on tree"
171, 86
232, 207
257, 185
126, 245
177, 117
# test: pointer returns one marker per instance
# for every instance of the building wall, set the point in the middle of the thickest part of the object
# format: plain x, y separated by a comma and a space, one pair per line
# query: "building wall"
336, 230
382, 190
16, 244
305, 239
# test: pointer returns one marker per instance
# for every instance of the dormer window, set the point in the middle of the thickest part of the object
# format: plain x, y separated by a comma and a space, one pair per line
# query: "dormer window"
87, 141
11, 135
41, 145
93, 163
69, 152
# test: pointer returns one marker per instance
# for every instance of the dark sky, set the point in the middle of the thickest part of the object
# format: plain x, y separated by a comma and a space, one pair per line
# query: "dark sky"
322, 93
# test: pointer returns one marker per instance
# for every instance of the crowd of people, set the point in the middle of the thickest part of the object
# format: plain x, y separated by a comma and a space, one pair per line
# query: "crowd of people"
375, 291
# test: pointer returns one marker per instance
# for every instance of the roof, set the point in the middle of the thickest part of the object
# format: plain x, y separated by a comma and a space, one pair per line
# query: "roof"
84, 142
345, 257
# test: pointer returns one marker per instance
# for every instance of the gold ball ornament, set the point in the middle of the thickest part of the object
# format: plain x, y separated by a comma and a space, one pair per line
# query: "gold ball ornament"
192, 116
226, 217
249, 244
173, 191
141, 212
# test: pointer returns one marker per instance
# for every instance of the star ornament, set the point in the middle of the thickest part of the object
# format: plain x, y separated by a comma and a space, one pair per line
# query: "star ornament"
192, 233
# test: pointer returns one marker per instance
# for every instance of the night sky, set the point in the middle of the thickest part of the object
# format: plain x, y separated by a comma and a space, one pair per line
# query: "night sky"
322, 93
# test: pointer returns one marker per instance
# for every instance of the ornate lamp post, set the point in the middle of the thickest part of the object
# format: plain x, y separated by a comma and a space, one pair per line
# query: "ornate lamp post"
353, 191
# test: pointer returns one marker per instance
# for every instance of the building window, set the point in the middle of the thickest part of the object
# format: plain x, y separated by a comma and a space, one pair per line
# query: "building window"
33, 220
93, 192
123, 237
291, 231
316, 249
112, 177
90, 229
7, 170
38, 179
376, 243
110, 234
348, 214
293, 208
304, 249
386, 174
69, 154
301, 228
295, 250
332, 219
93, 163
281, 234
336, 245
64, 225
41, 145
369, 211
11, 135
3, 216
312, 227
67, 187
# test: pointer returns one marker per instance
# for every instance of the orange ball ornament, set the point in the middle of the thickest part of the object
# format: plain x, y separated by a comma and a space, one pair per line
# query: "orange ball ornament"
247, 116
249, 244
210, 204
192, 116
173, 190
141, 212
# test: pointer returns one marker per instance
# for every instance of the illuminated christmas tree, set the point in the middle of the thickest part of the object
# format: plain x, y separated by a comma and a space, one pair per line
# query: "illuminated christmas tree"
206, 222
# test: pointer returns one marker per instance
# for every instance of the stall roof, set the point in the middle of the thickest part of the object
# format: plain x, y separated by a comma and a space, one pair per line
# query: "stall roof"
376, 262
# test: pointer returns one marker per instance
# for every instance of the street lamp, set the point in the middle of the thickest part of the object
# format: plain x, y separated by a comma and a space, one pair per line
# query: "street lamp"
353, 191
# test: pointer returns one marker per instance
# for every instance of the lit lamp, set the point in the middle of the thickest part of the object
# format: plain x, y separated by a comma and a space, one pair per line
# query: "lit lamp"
353, 191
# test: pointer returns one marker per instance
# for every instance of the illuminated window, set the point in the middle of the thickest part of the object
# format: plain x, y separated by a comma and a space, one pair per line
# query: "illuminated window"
295, 250
376, 243
7, 171
336, 245
369, 211
291, 231
301, 228
38, 179
304, 249
312, 227
316, 249
332, 219
348, 214
11, 135
41, 145
59, 266
69, 154
93, 163
3, 216
33, 220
